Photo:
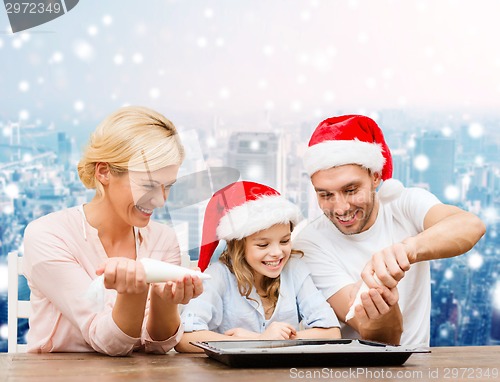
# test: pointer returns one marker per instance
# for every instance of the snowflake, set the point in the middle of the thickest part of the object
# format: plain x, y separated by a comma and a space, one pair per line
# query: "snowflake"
56, 57
219, 42
201, 42
421, 162
475, 260
209, 13
448, 274
452, 193
79, 106
24, 86
269, 105
268, 50
224, 93
296, 106
118, 59
12, 191
107, 20
4, 329
475, 130
24, 115
137, 58
83, 50
17, 43
446, 131
92, 30
154, 93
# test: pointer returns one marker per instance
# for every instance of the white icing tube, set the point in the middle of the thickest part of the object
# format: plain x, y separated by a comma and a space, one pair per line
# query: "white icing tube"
159, 271
156, 272
357, 300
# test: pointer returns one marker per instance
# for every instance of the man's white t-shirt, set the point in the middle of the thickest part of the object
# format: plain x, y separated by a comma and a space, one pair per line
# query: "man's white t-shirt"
336, 260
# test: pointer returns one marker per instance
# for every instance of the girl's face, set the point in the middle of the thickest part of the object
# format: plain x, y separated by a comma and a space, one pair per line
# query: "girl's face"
267, 251
135, 195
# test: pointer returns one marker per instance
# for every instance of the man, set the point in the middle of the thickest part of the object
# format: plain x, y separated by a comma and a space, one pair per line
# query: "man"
368, 234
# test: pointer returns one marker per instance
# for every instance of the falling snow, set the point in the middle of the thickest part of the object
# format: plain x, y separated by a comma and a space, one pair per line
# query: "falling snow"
24, 86
421, 162
83, 50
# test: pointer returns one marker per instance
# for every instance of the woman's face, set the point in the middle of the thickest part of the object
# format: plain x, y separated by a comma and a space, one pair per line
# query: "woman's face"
136, 194
268, 251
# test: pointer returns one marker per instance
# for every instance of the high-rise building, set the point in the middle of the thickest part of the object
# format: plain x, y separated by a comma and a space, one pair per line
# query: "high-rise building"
63, 149
433, 162
193, 215
401, 165
255, 155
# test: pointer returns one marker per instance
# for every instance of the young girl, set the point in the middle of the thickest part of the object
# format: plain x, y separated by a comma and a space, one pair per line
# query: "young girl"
259, 289
132, 160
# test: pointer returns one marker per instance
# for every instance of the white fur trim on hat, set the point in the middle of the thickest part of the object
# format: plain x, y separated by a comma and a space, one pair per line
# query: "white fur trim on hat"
256, 215
328, 154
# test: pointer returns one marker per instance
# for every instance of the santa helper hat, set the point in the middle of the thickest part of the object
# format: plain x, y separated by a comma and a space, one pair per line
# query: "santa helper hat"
239, 210
353, 139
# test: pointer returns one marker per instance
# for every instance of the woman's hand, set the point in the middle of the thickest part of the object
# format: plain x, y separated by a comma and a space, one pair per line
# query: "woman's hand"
180, 291
125, 275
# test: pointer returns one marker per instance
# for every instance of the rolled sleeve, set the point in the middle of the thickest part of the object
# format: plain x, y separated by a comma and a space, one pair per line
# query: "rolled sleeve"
115, 342
161, 347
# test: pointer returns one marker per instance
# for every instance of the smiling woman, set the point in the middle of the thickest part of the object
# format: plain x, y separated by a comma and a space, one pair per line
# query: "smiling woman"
131, 161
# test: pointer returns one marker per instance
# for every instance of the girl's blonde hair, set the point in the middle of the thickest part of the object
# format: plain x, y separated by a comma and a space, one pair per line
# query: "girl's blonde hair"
233, 257
131, 138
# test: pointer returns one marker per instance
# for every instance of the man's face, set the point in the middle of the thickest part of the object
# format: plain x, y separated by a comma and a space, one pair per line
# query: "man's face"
346, 195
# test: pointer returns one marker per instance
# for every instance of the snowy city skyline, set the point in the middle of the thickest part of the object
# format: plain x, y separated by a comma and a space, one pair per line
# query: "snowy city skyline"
426, 71
298, 60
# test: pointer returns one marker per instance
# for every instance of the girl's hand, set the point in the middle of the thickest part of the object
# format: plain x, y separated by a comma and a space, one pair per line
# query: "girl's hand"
180, 291
243, 333
124, 275
279, 331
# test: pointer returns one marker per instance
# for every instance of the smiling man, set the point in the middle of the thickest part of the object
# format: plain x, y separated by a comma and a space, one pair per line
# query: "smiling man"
375, 230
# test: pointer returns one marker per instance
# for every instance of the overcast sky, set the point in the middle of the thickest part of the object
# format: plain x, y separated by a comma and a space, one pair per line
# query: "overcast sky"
299, 59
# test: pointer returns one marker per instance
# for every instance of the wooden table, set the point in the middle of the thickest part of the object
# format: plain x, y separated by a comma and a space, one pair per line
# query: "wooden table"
443, 364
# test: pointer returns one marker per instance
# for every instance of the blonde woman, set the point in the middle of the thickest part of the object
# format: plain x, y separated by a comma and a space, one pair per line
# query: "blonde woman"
131, 161
260, 288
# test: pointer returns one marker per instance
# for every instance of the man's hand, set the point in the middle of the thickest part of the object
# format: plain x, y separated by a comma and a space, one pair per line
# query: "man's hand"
389, 265
379, 317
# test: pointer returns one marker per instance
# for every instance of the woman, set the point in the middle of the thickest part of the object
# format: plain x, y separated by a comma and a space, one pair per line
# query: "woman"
132, 160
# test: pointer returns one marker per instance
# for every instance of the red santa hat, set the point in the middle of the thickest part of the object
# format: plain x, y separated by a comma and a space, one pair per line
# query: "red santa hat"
352, 139
239, 210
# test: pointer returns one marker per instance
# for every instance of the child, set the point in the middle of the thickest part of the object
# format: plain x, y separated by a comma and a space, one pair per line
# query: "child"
258, 290
132, 160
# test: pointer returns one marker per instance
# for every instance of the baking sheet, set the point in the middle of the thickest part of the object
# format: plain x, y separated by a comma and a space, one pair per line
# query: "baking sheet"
294, 353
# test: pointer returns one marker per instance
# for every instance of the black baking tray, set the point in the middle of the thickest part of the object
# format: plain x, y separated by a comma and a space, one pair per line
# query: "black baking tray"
295, 353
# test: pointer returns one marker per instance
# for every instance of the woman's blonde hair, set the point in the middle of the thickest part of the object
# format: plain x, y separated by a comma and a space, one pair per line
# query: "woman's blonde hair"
233, 257
131, 138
